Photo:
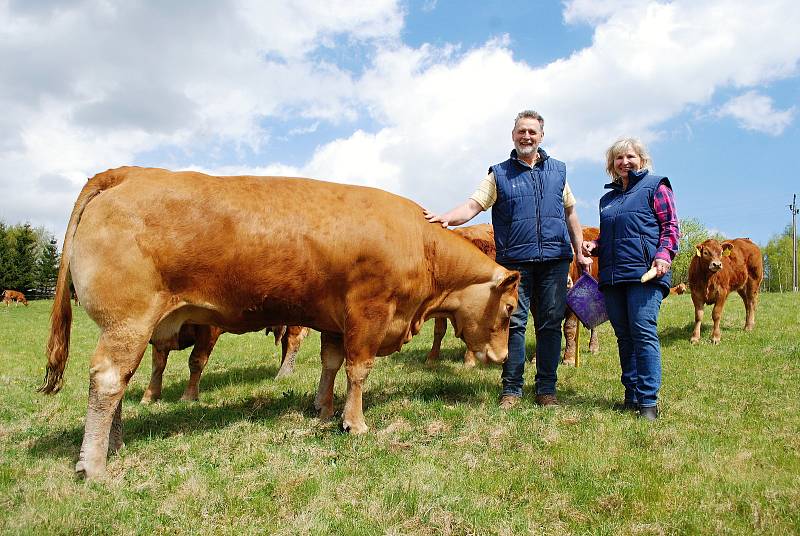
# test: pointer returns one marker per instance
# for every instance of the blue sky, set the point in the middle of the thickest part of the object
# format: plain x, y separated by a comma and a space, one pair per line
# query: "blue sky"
416, 97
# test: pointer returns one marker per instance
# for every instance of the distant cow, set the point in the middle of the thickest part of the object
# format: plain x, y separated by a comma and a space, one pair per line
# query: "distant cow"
14, 295
362, 266
571, 321
678, 289
482, 237
718, 269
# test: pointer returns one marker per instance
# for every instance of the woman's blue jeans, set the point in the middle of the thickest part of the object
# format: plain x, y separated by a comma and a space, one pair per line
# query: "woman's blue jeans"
543, 285
633, 311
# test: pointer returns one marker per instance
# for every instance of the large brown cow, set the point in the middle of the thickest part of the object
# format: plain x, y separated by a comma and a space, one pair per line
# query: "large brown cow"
16, 296
571, 321
718, 269
360, 265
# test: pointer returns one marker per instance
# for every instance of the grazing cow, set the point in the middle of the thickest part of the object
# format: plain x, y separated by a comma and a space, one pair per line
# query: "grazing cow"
202, 338
360, 265
482, 237
571, 321
678, 289
718, 269
16, 296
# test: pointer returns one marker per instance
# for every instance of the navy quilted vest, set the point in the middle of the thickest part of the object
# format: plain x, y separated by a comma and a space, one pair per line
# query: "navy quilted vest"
629, 231
528, 216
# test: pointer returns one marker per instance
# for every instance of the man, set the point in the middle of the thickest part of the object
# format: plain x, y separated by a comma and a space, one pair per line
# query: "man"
536, 230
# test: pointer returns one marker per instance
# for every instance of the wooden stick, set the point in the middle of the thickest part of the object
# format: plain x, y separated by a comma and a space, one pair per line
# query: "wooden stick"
649, 274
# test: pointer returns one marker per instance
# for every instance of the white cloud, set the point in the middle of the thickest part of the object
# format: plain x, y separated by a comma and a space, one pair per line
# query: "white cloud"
754, 111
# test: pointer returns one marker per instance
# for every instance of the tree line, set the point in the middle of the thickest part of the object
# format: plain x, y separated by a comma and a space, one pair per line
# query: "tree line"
29, 259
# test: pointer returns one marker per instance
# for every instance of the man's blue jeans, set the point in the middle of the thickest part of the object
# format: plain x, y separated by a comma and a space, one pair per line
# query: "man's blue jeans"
543, 285
633, 311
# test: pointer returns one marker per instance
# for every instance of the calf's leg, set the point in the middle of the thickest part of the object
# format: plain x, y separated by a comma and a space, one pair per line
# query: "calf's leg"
698, 318
153, 391
205, 340
716, 315
439, 330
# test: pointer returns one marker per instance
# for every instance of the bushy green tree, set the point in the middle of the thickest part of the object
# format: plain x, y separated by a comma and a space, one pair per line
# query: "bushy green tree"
22, 256
47, 268
778, 262
5, 260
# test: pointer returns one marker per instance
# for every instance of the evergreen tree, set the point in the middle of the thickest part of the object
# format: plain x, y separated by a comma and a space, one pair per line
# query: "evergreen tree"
47, 268
5, 261
22, 272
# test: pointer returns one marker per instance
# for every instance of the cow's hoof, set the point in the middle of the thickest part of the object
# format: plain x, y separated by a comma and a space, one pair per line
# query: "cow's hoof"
115, 446
594, 351
283, 374
568, 362
748, 328
85, 472
148, 399
190, 398
355, 428
325, 414
715, 340
694, 340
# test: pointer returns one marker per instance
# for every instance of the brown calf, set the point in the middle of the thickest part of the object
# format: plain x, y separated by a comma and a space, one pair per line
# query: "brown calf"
571, 321
14, 295
716, 270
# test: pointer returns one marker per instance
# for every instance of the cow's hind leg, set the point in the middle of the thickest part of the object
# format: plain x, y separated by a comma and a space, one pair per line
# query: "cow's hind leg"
698, 318
153, 391
439, 330
203, 345
570, 332
332, 356
115, 359
749, 295
594, 342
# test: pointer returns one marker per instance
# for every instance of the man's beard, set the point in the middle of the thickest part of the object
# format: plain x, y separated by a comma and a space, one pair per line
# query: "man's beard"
525, 150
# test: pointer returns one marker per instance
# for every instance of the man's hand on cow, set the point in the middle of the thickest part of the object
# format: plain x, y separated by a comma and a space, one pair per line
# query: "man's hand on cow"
433, 217
661, 266
587, 247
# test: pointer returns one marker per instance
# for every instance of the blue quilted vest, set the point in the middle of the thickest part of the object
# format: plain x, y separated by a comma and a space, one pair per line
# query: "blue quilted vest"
528, 216
629, 231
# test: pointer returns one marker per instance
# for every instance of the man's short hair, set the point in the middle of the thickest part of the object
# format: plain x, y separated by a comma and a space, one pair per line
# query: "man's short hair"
529, 114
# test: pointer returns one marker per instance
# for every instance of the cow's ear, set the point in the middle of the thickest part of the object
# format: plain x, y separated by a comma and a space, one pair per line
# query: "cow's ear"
726, 249
698, 250
508, 280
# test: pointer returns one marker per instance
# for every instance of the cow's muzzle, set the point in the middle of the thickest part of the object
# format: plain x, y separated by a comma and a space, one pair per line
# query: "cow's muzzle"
715, 266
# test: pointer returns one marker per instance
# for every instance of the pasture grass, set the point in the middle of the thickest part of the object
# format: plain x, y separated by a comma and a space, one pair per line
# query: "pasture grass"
440, 457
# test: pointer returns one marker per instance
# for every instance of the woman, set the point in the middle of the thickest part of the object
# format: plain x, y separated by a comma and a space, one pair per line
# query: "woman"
638, 231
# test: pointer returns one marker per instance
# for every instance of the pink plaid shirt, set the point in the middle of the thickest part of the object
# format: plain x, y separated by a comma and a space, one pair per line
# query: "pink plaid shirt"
667, 216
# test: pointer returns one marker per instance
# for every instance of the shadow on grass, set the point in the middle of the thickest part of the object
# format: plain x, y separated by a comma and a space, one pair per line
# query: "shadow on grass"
210, 381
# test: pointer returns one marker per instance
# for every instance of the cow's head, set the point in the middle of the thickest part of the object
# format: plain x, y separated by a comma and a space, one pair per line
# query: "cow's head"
711, 253
484, 313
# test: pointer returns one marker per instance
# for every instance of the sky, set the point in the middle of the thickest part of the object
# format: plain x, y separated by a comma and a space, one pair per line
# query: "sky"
417, 97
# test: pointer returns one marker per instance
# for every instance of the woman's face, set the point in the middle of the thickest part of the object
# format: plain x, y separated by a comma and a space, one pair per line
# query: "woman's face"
627, 160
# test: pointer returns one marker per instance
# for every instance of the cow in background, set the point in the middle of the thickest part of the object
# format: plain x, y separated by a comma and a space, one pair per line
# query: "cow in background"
716, 270
482, 237
16, 296
571, 321
678, 289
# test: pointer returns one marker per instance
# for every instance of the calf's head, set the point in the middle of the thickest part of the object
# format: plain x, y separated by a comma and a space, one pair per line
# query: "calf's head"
712, 253
484, 313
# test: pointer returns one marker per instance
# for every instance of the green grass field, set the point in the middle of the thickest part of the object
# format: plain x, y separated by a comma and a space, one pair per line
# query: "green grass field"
440, 457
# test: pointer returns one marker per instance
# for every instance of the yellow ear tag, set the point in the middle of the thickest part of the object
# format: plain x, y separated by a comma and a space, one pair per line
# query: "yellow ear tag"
726, 252
697, 250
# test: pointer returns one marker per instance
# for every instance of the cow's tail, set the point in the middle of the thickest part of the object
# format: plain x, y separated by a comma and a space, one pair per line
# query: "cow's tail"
61, 316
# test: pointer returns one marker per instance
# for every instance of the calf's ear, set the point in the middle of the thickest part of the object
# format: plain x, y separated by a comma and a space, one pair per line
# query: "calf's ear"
698, 250
726, 249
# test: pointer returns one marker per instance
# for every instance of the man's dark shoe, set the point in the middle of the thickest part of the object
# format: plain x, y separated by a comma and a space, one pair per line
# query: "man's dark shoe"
509, 401
650, 413
630, 405
547, 400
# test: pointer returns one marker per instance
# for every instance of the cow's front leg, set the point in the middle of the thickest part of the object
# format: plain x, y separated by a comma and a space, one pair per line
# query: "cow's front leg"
353, 414
332, 356
115, 435
439, 329
716, 315
594, 342
153, 391
698, 319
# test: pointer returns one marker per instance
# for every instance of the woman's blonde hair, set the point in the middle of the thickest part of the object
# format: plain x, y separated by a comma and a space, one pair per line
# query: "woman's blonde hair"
623, 144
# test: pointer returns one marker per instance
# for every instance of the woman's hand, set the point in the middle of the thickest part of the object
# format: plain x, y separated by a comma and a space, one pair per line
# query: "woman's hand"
661, 266
587, 247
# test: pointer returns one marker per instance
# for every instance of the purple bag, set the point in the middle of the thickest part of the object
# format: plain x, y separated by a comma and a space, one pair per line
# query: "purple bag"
586, 301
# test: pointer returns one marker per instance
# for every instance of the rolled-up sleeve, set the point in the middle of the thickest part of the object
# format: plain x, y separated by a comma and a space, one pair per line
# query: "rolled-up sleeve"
667, 216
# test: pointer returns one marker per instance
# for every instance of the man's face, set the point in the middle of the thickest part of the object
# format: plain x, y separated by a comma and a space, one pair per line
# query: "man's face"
527, 136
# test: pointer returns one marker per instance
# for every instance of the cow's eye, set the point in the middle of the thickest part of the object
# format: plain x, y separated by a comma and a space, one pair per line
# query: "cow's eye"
509, 309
